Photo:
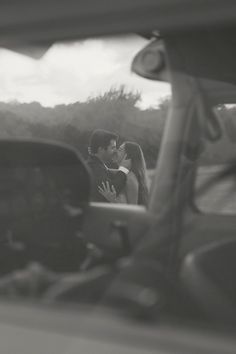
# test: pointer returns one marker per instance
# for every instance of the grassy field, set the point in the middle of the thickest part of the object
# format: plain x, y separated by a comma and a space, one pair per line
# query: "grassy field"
215, 196
211, 196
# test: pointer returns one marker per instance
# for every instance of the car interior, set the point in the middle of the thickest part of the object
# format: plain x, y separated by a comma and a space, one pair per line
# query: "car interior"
159, 277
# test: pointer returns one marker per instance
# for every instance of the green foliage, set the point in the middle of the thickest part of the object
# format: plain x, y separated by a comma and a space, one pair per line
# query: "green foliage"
115, 110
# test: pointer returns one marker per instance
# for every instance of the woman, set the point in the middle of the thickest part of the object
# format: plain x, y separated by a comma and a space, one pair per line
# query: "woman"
136, 189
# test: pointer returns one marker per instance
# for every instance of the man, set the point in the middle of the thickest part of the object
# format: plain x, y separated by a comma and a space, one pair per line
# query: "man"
103, 152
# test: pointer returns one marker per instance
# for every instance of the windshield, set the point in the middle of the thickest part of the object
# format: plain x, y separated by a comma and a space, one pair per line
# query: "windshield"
78, 87
72, 123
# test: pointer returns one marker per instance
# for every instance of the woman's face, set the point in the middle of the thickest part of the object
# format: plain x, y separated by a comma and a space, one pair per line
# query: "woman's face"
121, 153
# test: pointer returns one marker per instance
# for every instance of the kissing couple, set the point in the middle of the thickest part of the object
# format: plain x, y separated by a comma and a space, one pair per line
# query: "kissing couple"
127, 183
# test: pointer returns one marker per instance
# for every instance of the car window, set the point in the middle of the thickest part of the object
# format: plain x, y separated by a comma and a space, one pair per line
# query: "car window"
50, 111
215, 186
80, 86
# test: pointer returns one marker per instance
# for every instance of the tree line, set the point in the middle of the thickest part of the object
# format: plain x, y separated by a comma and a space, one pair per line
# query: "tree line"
116, 110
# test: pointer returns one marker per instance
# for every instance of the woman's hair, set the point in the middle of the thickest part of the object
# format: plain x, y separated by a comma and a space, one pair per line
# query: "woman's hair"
138, 167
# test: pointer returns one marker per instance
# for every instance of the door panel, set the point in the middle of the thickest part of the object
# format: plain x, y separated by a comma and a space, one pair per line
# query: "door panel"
107, 224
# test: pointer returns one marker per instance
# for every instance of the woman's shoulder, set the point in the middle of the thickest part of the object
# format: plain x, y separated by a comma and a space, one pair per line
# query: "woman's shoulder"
131, 178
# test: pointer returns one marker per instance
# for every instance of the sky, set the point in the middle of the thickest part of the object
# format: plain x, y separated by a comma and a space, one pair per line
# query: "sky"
74, 71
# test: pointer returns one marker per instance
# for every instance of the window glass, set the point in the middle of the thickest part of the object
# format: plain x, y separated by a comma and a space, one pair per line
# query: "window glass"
77, 87
215, 187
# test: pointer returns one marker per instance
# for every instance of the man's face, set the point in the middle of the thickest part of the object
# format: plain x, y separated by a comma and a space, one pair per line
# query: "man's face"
110, 154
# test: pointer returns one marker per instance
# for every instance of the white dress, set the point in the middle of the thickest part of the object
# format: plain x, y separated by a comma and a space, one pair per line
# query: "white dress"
129, 195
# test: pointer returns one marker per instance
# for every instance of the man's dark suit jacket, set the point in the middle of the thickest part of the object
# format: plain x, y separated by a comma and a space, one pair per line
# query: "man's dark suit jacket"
101, 174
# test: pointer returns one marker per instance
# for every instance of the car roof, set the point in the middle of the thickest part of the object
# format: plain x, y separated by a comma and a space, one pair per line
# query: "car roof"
49, 20
188, 26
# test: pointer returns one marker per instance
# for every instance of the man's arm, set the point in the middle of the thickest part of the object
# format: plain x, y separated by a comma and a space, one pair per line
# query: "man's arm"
119, 179
98, 176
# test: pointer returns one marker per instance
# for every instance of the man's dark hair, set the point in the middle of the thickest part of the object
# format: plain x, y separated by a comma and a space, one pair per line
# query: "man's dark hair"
101, 138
